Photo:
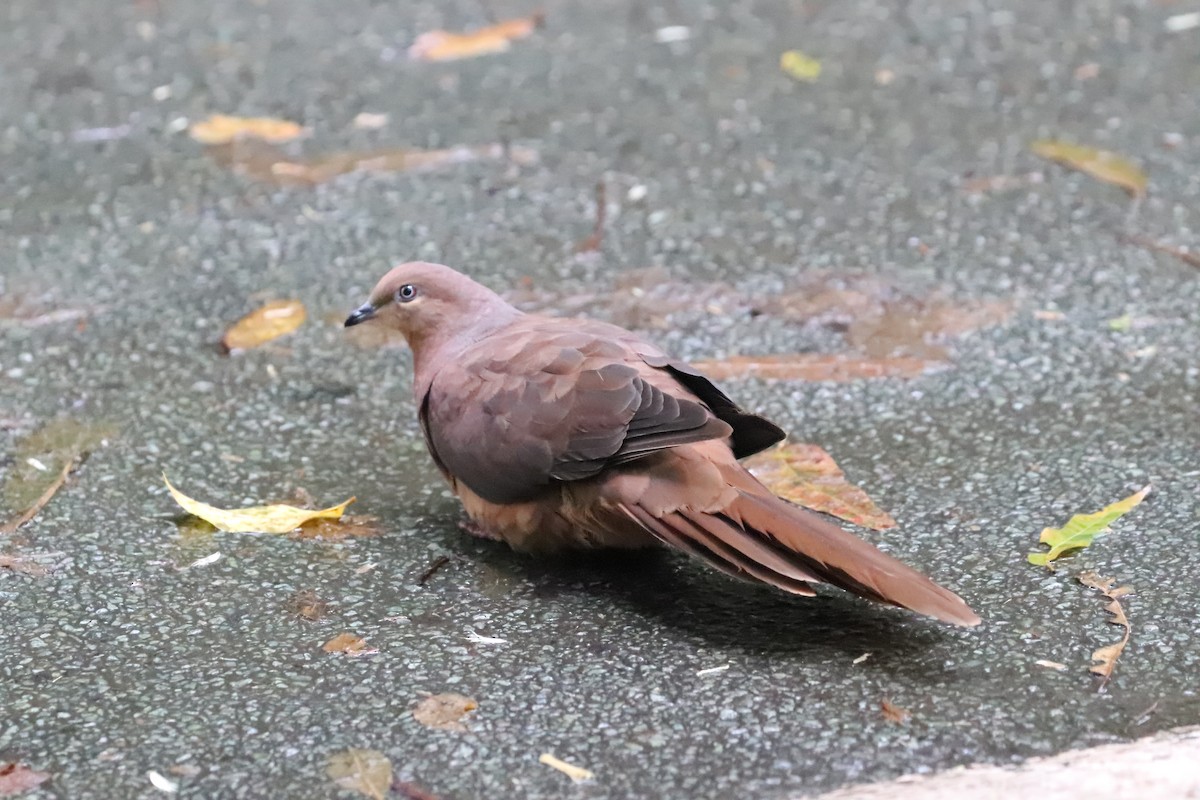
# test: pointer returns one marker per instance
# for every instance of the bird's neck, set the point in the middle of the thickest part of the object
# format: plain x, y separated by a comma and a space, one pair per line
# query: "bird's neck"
441, 345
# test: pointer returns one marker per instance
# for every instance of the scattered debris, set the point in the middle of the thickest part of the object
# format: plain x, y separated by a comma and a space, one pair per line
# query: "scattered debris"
1100, 164
45, 460
1106, 657
443, 45
264, 324
276, 518
162, 782
368, 772
1183, 254
212, 558
1121, 324
444, 711
1041, 662
893, 713
350, 645
269, 164
1049, 315
103, 134
672, 33
592, 243
223, 129
332, 529
808, 476
16, 778
305, 604
577, 774
478, 638
1178, 23
799, 66
366, 121
438, 563
1144, 717
26, 565
861, 658
838, 367
411, 791
1082, 529
700, 673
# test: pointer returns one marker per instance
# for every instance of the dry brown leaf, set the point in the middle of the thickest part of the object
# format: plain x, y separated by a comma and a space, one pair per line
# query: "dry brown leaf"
450, 46
350, 645
444, 711
814, 367
264, 324
916, 328
808, 476
269, 164
368, 772
26, 566
1100, 164
893, 713
222, 129
17, 778
637, 299
577, 774
1106, 657
305, 604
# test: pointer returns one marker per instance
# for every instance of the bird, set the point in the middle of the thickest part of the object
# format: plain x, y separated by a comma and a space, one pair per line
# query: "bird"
561, 434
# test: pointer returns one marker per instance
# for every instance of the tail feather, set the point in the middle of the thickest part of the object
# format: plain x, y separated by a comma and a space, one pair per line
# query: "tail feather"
763, 537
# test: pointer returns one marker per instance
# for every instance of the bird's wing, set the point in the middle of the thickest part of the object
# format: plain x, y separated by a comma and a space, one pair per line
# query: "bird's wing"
547, 401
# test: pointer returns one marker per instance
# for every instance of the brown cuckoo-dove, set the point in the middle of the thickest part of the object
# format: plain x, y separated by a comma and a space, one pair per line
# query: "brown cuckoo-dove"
571, 433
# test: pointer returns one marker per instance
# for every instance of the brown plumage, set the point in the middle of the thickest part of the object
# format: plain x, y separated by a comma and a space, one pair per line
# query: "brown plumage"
567, 433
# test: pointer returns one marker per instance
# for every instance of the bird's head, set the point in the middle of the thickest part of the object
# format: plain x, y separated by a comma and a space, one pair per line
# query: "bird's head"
429, 302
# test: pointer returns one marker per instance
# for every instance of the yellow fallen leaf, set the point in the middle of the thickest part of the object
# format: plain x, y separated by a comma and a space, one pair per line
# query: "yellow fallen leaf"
450, 46
1100, 164
577, 774
270, 321
1082, 529
222, 129
800, 66
257, 519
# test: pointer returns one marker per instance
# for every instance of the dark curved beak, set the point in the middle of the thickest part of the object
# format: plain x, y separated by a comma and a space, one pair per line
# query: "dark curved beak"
360, 315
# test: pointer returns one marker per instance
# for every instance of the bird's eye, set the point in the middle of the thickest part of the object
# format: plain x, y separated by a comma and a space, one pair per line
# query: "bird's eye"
406, 292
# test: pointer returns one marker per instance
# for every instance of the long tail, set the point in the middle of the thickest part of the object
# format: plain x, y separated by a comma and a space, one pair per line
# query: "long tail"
761, 537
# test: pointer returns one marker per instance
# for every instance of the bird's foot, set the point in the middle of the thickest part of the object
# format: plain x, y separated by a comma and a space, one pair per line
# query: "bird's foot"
475, 529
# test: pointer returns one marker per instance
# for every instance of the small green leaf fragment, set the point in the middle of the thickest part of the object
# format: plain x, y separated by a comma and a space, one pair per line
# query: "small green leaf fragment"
1082, 529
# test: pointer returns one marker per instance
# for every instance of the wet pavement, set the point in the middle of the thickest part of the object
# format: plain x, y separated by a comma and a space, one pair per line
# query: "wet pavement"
118, 662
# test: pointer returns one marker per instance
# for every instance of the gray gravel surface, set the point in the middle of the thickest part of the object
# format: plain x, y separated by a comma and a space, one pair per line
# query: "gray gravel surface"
119, 662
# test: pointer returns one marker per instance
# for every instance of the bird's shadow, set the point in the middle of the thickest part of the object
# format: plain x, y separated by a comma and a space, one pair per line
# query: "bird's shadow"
724, 612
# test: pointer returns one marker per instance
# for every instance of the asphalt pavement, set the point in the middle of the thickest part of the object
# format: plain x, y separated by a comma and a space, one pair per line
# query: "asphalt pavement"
661, 677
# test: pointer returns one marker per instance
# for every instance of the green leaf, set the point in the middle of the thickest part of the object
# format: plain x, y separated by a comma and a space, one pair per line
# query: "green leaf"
1082, 529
